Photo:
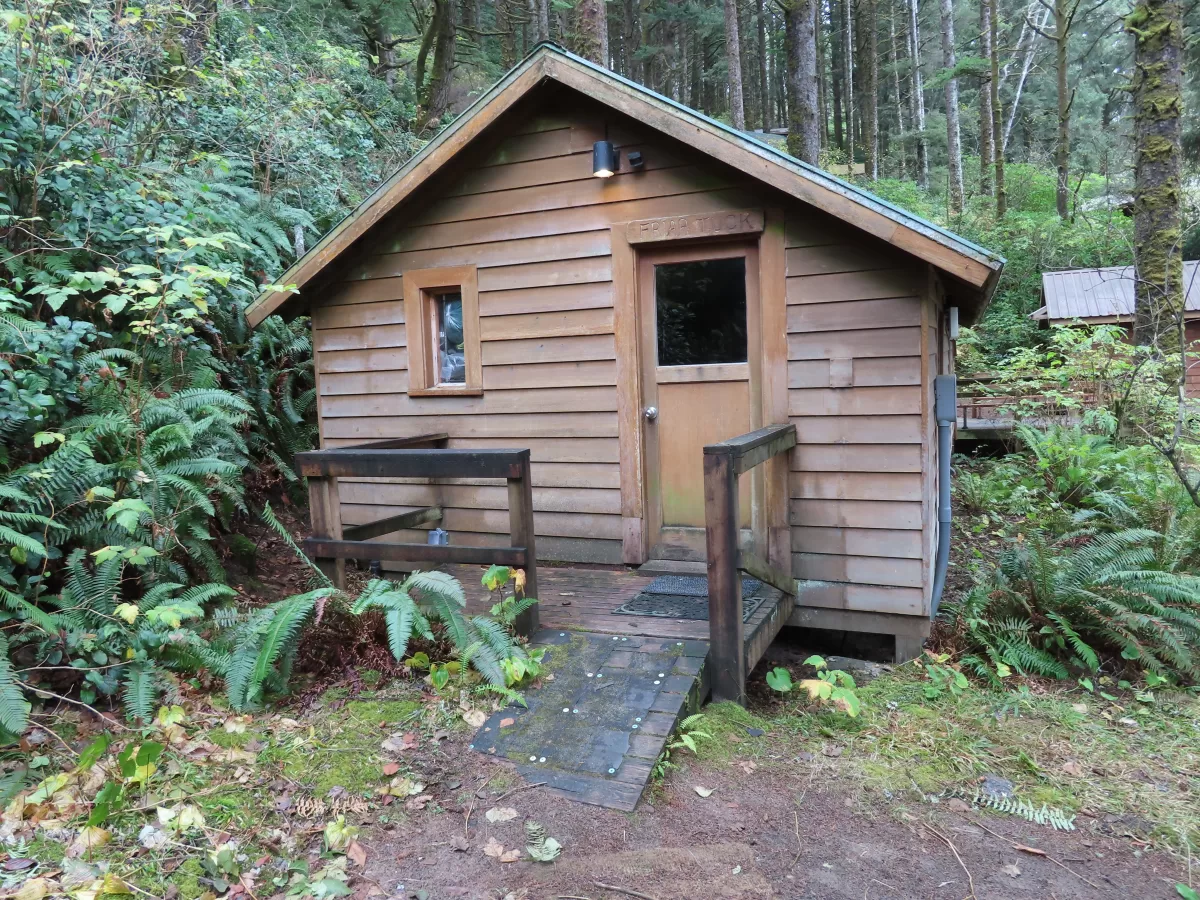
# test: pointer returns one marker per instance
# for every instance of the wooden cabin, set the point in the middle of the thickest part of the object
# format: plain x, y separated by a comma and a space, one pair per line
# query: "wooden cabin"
1107, 295
500, 291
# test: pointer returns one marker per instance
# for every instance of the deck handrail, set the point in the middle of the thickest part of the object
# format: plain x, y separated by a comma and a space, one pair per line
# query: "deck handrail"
331, 544
723, 463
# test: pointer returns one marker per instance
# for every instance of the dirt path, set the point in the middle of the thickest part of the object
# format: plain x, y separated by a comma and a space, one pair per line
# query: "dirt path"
742, 842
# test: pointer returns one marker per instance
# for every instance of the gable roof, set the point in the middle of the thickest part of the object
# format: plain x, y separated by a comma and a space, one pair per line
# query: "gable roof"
969, 263
1105, 294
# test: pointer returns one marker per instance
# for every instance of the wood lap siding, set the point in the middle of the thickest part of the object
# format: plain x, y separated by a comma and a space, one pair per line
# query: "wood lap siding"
531, 217
855, 386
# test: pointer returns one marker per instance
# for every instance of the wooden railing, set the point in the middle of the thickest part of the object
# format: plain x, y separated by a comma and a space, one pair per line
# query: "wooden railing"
421, 457
723, 464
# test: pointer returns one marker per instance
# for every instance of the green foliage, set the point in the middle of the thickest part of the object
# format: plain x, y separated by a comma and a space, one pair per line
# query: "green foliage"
831, 687
687, 735
157, 168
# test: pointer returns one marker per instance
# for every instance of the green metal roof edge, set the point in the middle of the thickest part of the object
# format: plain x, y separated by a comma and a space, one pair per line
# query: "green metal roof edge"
892, 211
807, 170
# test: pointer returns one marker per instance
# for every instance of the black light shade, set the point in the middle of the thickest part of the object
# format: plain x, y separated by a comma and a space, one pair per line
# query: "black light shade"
605, 160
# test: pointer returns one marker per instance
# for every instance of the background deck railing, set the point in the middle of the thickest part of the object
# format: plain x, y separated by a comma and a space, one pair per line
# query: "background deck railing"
723, 464
424, 456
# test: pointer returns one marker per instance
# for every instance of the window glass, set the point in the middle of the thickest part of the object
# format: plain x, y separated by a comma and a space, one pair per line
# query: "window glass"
701, 311
451, 358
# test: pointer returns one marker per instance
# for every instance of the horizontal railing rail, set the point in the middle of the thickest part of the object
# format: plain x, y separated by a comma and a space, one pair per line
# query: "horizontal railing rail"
332, 544
723, 464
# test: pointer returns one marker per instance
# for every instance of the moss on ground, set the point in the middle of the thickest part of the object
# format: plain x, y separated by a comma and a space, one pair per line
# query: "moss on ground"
343, 747
1060, 745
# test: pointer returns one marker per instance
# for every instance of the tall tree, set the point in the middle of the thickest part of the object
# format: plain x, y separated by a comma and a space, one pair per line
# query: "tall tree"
800, 27
987, 157
591, 31
917, 93
836, 70
1027, 50
1157, 29
542, 9
902, 158
993, 30
733, 59
1064, 18
848, 77
760, 20
870, 111
954, 175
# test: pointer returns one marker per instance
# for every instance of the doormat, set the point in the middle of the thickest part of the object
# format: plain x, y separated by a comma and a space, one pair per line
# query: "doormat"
686, 597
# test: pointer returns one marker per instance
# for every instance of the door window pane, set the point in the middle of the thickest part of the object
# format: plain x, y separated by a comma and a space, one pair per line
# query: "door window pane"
701, 311
451, 358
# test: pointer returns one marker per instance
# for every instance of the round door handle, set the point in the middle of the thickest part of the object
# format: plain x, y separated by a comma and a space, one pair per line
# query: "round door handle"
651, 413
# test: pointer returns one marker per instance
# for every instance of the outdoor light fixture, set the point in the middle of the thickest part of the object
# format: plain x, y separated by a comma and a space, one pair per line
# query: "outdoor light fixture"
605, 159
636, 160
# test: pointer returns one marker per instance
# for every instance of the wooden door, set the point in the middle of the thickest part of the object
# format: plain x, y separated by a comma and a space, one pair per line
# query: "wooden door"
700, 381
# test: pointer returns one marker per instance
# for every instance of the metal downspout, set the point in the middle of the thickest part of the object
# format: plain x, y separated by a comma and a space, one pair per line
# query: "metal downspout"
945, 399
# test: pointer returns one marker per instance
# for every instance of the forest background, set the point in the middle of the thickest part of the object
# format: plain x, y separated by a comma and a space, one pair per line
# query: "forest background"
163, 161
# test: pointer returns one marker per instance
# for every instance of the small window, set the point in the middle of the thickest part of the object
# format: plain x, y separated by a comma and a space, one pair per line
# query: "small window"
442, 328
701, 311
451, 354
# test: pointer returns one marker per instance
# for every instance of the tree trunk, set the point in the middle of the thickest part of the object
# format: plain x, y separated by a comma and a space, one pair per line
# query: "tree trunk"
997, 118
508, 37
902, 158
441, 75
954, 186
543, 19
591, 31
822, 91
848, 78
1026, 63
733, 61
646, 40
760, 21
987, 158
871, 89
800, 23
917, 94
836, 68
632, 40
1062, 145
1157, 30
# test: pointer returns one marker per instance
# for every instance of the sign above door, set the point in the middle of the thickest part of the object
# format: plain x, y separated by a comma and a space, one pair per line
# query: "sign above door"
704, 225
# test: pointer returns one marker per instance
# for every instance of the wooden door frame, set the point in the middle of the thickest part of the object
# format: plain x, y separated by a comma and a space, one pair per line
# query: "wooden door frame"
772, 351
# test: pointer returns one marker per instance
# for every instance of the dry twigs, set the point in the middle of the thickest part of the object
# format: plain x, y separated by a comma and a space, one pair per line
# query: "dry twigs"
1040, 853
621, 890
949, 843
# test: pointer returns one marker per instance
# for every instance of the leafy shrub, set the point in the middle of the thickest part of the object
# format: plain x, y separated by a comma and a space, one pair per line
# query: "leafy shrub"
1056, 605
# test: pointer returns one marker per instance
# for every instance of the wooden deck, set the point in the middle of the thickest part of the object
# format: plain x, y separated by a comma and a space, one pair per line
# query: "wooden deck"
583, 599
593, 732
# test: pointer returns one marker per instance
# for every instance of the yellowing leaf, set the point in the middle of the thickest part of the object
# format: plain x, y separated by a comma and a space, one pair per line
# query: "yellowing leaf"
89, 838
817, 689
127, 611
48, 787
33, 889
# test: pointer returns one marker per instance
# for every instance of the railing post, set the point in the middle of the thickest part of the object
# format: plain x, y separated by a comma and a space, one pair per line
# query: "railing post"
520, 513
727, 651
326, 511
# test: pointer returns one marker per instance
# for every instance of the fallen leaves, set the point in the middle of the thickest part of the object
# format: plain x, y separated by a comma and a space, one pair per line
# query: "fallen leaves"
506, 721
356, 854
495, 850
391, 769
703, 791
402, 786
500, 814
475, 717
400, 742
1012, 870
1073, 768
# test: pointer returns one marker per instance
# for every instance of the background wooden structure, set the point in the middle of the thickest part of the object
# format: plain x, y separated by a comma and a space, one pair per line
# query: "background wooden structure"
852, 331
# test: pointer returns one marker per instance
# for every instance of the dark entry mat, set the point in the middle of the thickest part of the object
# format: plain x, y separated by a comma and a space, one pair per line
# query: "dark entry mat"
685, 597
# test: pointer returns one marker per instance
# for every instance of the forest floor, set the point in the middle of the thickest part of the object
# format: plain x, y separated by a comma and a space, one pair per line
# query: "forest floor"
362, 785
